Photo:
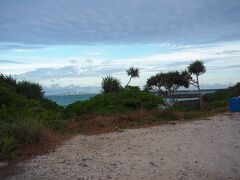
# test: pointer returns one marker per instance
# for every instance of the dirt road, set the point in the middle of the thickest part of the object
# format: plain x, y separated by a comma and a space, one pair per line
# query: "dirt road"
204, 149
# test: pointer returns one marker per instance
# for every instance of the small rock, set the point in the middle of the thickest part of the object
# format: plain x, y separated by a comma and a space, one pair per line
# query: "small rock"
153, 164
62, 161
84, 165
113, 164
109, 177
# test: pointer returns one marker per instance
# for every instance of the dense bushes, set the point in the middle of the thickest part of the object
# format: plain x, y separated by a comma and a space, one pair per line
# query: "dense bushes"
20, 131
25, 88
127, 100
30, 90
23, 113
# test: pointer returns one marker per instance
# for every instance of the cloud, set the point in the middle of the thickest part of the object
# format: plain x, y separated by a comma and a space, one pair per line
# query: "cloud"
9, 62
118, 22
228, 52
69, 71
88, 72
18, 46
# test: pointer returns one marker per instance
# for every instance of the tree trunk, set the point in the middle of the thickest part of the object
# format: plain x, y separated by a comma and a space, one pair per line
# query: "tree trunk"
176, 95
200, 95
129, 81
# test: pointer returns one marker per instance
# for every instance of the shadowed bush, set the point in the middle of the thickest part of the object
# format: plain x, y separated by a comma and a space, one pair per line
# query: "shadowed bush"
8, 146
30, 90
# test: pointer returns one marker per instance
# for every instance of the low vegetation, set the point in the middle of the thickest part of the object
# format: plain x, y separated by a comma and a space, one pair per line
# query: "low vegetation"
23, 113
223, 94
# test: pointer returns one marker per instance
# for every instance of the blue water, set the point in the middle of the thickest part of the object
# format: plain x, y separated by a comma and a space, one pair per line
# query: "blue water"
65, 100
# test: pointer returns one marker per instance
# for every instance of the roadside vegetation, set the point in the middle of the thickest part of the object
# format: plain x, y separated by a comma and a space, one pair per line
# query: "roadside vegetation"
24, 112
26, 115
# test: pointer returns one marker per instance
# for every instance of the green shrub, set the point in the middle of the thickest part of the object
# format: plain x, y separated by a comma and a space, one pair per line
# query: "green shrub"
27, 89
127, 100
23, 113
24, 131
8, 146
9, 80
217, 104
28, 132
223, 94
48, 104
168, 115
53, 120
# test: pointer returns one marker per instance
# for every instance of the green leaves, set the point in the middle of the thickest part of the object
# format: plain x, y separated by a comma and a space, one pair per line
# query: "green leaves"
8, 146
197, 68
30, 90
111, 84
133, 73
168, 81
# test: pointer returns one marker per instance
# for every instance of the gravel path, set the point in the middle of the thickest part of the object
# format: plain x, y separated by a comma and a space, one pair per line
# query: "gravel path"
205, 149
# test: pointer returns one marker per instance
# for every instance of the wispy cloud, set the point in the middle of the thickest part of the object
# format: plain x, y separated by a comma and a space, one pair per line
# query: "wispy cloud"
17, 46
9, 62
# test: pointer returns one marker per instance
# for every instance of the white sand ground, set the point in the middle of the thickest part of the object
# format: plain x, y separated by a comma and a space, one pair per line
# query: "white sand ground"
204, 149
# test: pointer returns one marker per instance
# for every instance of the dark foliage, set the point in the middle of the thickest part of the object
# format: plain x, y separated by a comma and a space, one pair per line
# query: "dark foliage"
133, 73
30, 90
111, 84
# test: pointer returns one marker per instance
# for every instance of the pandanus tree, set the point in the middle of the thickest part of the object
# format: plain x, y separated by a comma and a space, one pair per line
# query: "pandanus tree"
197, 68
133, 73
110, 84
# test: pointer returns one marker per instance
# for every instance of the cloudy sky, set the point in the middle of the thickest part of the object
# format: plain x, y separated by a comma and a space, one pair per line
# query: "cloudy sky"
68, 45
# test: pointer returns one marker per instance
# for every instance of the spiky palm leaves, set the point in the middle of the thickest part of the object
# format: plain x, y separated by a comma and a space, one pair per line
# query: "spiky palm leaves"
110, 84
133, 73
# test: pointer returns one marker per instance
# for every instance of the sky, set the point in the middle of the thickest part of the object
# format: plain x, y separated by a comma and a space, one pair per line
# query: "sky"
69, 45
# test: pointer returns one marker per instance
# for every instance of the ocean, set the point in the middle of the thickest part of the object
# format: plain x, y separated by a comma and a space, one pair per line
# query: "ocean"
65, 100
